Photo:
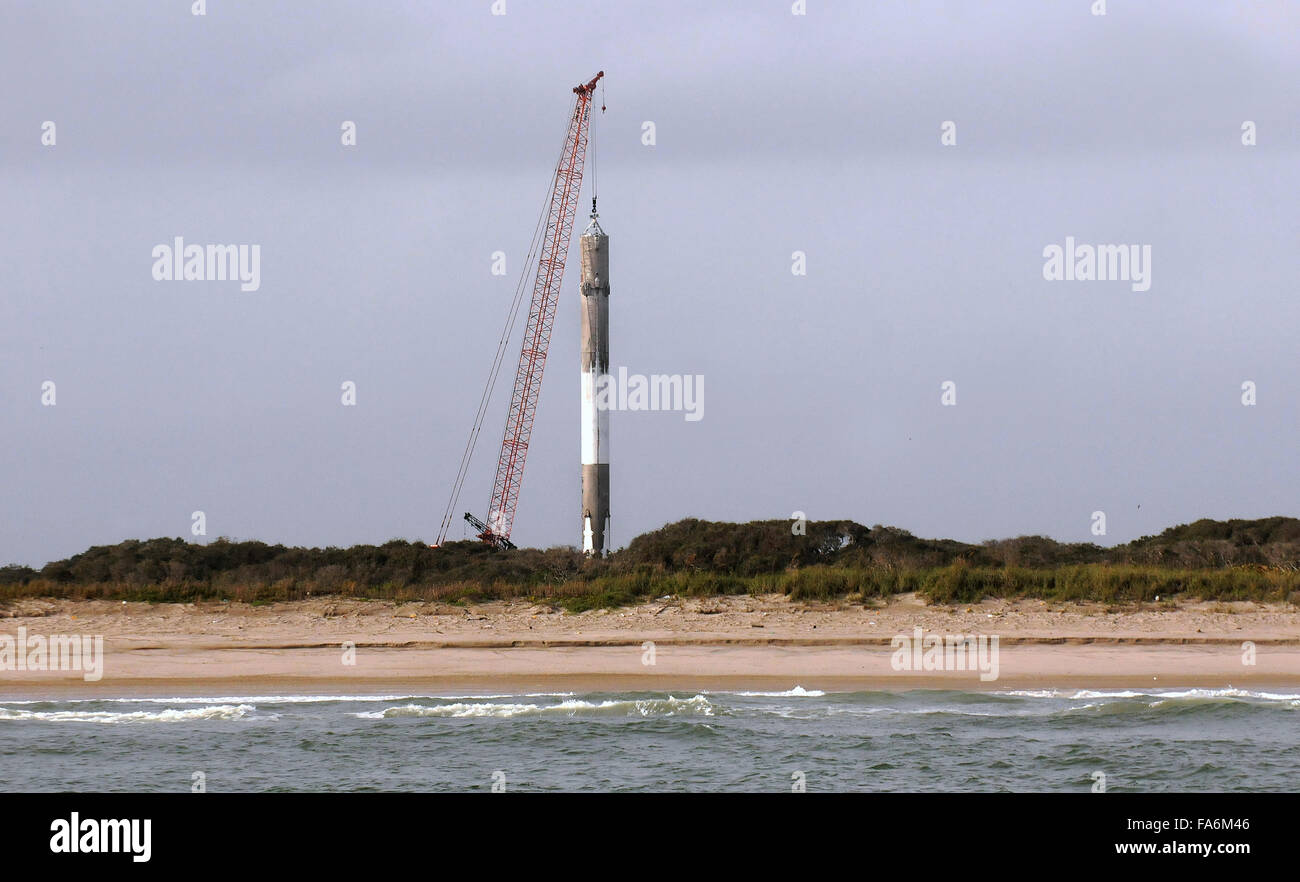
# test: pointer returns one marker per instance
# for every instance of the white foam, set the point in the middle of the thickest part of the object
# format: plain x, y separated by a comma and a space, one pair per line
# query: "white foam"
1161, 695
282, 699
1229, 692
170, 715
796, 692
645, 707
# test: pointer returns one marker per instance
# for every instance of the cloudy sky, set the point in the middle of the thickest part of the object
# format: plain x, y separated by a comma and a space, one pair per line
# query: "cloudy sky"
775, 133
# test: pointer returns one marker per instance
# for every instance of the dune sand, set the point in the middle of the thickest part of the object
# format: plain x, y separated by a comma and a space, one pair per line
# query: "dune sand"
764, 642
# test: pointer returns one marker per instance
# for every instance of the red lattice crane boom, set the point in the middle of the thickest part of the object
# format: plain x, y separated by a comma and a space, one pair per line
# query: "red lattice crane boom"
554, 249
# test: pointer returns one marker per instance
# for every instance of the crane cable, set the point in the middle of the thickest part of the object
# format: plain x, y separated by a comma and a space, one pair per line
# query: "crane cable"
502, 346
591, 140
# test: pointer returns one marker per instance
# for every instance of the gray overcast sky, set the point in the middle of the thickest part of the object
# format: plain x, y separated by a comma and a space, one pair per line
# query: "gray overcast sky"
775, 133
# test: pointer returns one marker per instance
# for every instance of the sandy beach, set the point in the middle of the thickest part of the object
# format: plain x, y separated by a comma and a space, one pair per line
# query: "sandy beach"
698, 643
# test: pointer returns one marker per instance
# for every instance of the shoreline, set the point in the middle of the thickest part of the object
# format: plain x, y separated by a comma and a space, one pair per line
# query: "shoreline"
245, 689
717, 644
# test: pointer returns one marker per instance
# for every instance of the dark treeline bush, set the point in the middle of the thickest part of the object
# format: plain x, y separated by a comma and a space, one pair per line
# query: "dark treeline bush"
16, 575
1221, 559
738, 549
396, 563
1270, 542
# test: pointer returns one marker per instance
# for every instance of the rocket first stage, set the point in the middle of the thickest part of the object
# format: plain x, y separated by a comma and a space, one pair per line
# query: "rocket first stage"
595, 365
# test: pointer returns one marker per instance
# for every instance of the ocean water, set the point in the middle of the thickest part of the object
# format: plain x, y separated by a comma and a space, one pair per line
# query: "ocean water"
1165, 740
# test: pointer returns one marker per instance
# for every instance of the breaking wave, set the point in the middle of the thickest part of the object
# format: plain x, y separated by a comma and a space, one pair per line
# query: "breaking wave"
168, 715
1163, 695
796, 692
642, 707
283, 699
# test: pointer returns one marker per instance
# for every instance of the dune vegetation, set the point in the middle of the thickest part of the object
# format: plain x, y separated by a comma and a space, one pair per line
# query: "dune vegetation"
1212, 560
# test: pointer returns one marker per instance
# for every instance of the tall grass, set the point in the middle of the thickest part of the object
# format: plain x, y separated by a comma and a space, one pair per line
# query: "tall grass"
953, 584
1107, 583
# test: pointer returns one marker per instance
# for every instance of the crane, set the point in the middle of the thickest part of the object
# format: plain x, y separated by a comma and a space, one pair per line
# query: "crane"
555, 237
